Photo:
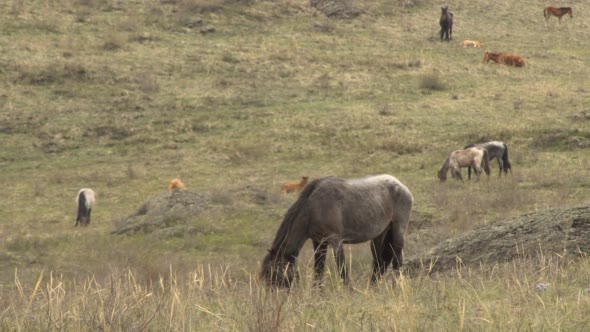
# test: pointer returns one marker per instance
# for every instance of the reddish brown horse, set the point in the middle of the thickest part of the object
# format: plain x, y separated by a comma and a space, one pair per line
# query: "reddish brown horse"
504, 58
556, 11
176, 184
294, 186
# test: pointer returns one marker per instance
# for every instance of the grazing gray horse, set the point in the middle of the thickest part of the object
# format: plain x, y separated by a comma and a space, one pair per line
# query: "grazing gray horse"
85, 201
331, 212
496, 150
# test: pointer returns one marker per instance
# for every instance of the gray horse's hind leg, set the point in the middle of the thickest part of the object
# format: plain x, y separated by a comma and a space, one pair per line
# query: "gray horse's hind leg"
378, 248
320, 249
500, 164
396, 247
391, 244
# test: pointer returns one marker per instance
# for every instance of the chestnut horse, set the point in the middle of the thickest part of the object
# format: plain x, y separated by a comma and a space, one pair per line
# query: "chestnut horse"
504, 58
294, 186
474, 43
85, 201
475, 157
176, 184
446, 24
332, 212
556, 11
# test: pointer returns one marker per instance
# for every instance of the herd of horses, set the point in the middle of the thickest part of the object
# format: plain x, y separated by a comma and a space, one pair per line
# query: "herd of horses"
333, 211
446, 33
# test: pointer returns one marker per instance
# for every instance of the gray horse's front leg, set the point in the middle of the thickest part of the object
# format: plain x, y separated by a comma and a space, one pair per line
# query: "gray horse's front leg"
320, 250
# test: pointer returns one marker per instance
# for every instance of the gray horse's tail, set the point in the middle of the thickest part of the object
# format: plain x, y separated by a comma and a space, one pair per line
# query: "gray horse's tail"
82, 210
485, 162
505, 161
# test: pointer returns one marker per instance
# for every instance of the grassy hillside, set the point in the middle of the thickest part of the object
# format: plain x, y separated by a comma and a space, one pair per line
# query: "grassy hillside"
122, 96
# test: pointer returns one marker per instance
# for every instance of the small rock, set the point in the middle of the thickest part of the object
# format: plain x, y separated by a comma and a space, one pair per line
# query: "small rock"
207, 29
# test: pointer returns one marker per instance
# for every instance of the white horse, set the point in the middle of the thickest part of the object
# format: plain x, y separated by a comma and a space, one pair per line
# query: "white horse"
85, 201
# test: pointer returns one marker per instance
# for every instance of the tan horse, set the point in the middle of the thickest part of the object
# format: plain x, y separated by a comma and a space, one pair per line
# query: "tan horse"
472, 43
475, 157
556, 11
294, 186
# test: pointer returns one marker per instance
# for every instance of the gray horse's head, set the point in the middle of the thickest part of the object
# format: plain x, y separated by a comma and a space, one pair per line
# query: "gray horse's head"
278, 271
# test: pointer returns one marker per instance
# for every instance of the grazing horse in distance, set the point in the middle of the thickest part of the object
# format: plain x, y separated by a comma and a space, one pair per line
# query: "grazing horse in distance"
332, 212
474, 43
176, 184
504, 58
446, 24
556, 11
475, 157
294, 186
85, 201
496, 150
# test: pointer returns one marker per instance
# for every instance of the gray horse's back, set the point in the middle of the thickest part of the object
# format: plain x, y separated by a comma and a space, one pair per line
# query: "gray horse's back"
359, 209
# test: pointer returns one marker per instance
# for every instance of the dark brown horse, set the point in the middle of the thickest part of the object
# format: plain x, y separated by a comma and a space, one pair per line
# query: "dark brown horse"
556, 11
446, 24
333, 212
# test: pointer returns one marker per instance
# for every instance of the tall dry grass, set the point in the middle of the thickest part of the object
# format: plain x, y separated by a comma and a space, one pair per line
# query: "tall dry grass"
545, 292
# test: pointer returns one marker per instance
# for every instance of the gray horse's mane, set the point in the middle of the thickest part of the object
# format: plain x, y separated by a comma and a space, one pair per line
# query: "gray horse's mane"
445, 165
299, 207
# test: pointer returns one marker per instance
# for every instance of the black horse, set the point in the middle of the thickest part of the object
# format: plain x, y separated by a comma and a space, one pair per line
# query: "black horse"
446, 24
